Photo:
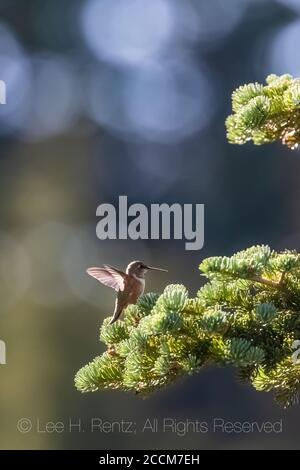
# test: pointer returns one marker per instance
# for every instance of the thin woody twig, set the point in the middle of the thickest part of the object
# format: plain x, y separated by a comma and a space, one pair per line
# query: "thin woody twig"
282, 279
267, 282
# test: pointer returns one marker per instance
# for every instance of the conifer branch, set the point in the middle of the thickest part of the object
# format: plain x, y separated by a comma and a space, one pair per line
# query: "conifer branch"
266, 113
241, 316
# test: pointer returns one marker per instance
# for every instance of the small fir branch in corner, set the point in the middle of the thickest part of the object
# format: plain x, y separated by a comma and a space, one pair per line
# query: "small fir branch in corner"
266, 113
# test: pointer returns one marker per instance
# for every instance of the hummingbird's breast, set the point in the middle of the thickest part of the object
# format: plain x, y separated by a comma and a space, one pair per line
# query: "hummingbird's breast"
135, 288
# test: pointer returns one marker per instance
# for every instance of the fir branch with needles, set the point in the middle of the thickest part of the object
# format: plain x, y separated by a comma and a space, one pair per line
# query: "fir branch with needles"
266, 113
247, 314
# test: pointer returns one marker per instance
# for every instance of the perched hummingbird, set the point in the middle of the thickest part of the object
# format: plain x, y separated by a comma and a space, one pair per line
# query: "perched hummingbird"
129, 285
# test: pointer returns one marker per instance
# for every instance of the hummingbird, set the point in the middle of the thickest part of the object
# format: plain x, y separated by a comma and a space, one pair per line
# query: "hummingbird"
130, 285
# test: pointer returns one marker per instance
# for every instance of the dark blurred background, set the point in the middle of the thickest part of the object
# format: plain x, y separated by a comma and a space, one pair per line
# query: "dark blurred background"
111, 97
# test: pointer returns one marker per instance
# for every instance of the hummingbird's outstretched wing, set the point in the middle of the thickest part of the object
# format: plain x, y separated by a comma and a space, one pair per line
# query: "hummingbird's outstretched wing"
109, 276
117, 274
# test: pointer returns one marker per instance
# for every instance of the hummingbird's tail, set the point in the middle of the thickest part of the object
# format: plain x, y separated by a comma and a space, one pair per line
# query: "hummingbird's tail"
118, 310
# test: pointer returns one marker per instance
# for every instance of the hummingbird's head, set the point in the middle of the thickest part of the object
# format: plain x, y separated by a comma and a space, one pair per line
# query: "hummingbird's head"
139, 269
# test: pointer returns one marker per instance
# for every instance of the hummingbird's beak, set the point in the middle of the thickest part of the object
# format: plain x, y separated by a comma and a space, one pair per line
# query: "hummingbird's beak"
157, 269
